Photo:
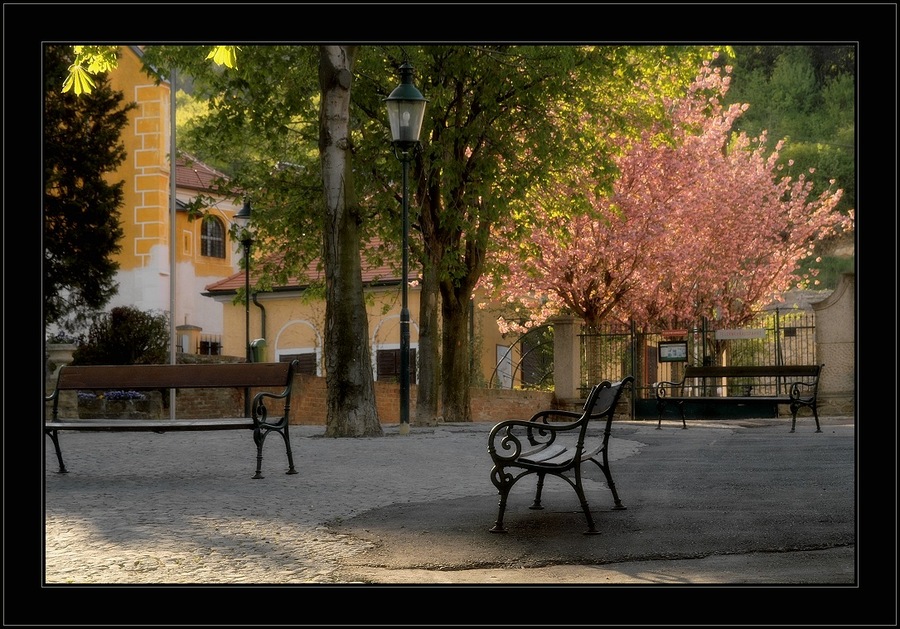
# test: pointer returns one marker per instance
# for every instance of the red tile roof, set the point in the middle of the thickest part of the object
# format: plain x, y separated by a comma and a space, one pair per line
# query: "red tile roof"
192, 174
370, 275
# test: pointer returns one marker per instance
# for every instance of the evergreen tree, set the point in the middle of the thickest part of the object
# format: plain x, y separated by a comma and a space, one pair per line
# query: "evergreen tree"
81, 207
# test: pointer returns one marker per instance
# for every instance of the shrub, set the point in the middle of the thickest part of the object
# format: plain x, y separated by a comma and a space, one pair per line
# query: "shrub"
125, 336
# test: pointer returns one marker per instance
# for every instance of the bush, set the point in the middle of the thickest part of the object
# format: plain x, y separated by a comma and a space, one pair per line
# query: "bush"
125, 336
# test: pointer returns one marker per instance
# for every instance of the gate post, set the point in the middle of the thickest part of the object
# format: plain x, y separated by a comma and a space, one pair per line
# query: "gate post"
566, 359
836, 347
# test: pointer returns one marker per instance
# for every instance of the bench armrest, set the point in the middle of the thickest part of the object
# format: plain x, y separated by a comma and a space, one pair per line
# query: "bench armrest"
803, 391
508, 438
261, 413
664, 388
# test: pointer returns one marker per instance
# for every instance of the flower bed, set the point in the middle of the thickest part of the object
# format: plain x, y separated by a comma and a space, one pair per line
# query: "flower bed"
119, 405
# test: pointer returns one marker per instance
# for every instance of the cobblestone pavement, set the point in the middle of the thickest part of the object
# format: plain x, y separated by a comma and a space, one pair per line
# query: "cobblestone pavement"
181, 508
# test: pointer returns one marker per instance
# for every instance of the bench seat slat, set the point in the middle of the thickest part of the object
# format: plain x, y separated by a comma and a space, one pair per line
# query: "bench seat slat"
737, 399
549, 455
156, 425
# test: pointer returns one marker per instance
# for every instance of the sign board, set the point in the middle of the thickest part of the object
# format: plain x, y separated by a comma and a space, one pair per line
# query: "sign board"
723, 335
672, 351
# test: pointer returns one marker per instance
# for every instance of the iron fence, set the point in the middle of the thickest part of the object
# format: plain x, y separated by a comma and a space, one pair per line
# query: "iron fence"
774, 337
611, 352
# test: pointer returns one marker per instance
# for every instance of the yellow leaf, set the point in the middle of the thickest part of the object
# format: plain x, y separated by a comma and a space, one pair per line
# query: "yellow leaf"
224, 55
79, 80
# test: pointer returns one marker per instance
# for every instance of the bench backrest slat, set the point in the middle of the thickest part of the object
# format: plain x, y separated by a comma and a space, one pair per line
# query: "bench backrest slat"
138, 377
604, 398
756, 371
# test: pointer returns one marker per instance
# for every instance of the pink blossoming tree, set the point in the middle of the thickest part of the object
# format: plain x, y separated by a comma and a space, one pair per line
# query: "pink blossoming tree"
700, 223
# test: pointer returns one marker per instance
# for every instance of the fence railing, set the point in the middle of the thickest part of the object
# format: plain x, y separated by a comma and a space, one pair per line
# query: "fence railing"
613, 351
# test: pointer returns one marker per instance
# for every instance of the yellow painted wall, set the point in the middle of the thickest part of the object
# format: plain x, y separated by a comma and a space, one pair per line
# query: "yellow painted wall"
146, 168
294, 323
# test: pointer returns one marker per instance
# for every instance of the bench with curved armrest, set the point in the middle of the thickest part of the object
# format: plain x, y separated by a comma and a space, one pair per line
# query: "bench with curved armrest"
558, 443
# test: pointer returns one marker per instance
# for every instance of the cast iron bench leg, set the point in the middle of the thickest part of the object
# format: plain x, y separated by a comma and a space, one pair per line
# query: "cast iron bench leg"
537, 494
259, 437
796, 407
501, 481
609, 481
287, 447
54, 435
592, 528
661, 406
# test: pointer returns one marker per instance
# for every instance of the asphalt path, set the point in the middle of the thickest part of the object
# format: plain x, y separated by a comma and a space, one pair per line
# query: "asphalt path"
711, 504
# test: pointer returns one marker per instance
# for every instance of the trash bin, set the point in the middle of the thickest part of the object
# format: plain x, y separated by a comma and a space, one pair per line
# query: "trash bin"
258, 350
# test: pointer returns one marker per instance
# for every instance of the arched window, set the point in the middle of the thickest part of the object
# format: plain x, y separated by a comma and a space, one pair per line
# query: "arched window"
212, 238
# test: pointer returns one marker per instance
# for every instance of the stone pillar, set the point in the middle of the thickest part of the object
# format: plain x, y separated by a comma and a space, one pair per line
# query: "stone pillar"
566, 360
836, 348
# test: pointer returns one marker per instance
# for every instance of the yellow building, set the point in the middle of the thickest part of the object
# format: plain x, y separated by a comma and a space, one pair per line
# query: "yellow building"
292, 326
203, 251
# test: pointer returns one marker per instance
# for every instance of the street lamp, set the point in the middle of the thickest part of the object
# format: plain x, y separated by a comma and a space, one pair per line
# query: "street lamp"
406, 109
243, 217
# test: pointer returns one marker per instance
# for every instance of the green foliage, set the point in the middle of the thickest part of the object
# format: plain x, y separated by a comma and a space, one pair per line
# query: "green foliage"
831, 269
804, 94
81, 207
125, 336
258, 123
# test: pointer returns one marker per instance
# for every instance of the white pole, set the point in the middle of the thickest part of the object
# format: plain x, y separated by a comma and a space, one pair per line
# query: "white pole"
172, 203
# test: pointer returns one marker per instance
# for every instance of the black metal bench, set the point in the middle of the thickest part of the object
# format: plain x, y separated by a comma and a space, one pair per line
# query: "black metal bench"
545, 445
793, 385
160, 377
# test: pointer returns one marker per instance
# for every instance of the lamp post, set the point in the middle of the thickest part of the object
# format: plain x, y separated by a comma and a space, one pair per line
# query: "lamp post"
406, 110
243, 217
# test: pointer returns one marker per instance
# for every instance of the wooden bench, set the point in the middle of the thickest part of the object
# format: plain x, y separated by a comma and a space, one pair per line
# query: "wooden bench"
793, 385
279, 376
556, 442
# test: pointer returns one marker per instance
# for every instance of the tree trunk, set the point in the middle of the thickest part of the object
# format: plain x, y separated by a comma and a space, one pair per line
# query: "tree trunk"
455, 355
428, 220
351, 409
428, 388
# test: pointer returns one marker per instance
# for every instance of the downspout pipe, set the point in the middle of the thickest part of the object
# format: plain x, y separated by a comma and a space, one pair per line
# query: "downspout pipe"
262, 317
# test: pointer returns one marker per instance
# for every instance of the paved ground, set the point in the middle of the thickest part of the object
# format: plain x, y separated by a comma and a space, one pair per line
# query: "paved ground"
736, 502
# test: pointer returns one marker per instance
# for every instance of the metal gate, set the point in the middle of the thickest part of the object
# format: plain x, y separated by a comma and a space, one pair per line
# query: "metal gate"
774, 337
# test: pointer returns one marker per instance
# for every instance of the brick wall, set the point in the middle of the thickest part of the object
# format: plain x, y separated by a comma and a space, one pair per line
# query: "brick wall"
309, 408
308, 403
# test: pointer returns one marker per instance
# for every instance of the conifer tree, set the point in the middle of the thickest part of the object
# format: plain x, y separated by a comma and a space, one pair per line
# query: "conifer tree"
81, 206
